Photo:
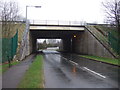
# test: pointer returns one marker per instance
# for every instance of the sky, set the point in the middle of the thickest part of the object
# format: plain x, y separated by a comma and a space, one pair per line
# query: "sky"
67, 10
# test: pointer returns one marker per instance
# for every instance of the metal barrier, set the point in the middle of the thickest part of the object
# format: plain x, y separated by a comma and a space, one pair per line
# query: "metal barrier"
57, 22
24, 47
9, 47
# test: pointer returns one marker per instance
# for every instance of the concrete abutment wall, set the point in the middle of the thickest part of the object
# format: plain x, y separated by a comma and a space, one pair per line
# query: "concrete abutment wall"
85, 43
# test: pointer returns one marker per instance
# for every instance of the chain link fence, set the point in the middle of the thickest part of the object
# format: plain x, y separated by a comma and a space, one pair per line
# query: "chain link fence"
9, 47
114, 42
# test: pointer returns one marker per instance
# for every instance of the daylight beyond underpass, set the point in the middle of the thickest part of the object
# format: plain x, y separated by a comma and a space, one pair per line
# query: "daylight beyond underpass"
71, 71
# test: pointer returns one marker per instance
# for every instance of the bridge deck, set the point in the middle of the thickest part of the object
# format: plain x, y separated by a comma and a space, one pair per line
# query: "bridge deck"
47, 27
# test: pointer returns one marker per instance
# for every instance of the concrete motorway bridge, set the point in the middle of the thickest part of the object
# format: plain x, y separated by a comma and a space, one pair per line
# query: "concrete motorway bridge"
64, 32
74, 38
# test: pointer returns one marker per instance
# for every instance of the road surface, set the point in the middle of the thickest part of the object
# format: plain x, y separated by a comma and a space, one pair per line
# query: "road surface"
72, 71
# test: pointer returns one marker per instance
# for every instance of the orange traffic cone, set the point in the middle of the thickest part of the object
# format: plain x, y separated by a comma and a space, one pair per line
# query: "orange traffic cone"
74, 69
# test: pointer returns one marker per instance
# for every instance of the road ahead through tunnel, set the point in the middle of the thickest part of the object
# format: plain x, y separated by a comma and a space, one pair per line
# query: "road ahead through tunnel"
71, 71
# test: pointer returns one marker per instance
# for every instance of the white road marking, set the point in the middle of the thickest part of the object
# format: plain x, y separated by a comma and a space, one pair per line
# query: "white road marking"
64, 58
85, 68
70, 61
74, 62
94, 72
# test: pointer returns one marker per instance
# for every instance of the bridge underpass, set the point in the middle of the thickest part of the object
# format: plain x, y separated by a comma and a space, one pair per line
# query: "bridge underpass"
86, 42
75, 38
65, 33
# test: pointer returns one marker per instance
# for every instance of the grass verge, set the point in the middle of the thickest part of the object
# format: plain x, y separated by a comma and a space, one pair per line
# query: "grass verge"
33, 78
103, 59
5, 67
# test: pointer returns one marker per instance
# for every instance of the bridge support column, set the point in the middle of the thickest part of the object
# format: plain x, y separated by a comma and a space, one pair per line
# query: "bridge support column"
34, 47
67, 45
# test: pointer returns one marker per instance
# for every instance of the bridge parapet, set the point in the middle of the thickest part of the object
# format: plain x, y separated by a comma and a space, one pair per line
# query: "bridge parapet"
57, 22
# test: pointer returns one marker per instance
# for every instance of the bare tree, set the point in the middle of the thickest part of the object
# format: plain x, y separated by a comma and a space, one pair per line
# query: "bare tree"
112, 10
9, 13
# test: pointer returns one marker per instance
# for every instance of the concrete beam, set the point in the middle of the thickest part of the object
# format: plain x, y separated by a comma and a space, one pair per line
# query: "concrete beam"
67, 45
56, 28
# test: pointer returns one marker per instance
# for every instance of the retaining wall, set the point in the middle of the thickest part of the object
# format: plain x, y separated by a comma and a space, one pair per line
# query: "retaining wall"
86, 43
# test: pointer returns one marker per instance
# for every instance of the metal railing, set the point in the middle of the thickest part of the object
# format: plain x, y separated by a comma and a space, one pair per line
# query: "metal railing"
57, 22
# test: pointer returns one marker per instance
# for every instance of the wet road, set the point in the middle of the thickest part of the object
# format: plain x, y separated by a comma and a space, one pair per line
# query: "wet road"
72, 71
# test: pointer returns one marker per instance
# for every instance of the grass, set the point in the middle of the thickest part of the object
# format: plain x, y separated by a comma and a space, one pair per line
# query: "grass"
33, 78
5, 67
103, 59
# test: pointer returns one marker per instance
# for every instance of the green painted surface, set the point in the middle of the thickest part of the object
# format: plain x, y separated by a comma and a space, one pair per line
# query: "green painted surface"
114, 41
9, 47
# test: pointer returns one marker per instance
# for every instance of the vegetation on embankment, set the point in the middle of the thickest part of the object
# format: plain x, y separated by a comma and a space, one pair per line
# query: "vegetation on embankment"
33, 78
103, 59
109, 37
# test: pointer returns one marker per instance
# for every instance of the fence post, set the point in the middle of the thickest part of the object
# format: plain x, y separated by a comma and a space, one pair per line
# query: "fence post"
9, 62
